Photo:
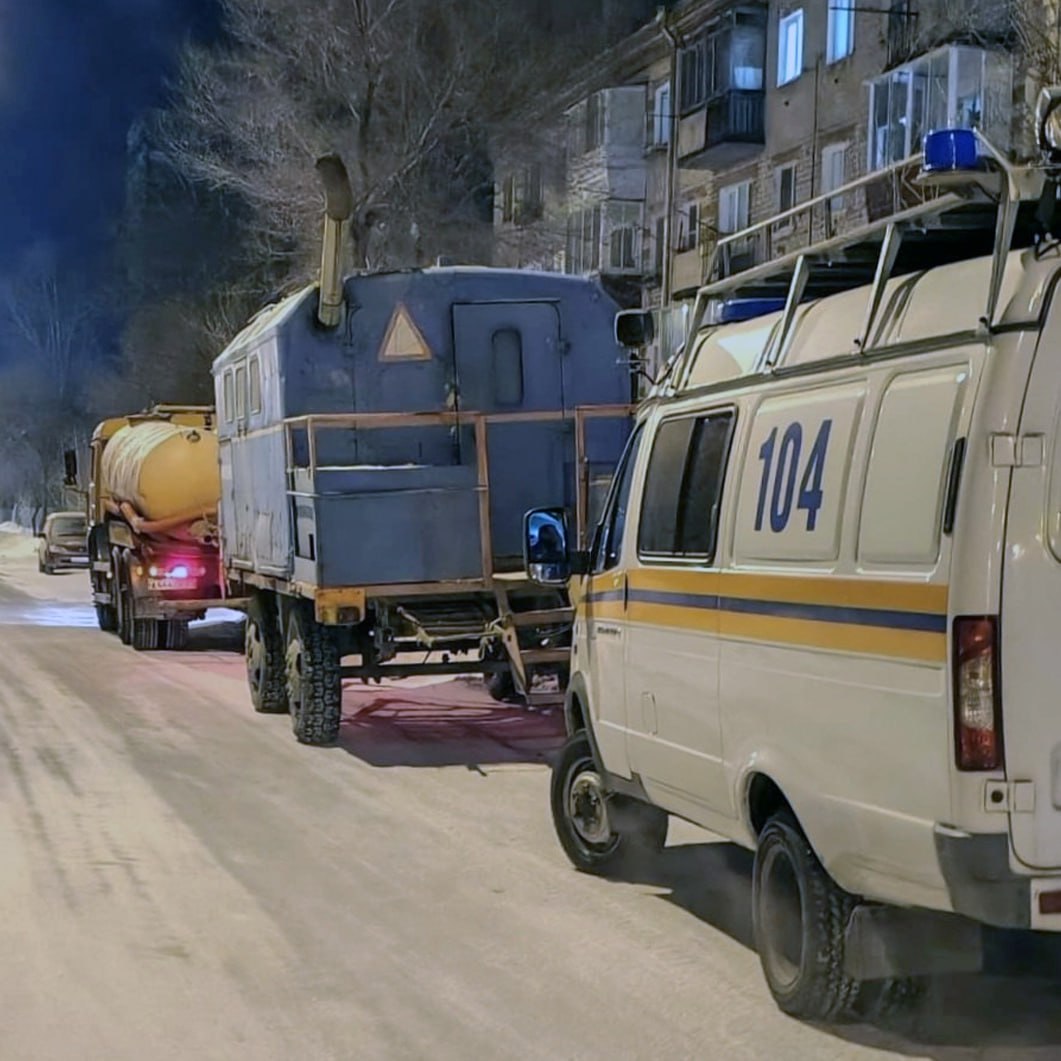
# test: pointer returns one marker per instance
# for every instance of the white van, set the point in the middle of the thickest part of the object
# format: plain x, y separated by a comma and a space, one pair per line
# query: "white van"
821, 613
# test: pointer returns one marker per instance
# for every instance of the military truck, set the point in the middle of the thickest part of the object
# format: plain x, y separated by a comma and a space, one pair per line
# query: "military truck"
152, 511
381, 438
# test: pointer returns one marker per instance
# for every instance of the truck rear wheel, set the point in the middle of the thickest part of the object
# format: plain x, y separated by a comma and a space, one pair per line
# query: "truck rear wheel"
314, 681
264, 651
173, 635
800, 916
123, 594
107, 618
145, 634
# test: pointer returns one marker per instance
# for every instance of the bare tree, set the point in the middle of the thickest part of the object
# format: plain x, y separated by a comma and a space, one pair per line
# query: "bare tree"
409, 91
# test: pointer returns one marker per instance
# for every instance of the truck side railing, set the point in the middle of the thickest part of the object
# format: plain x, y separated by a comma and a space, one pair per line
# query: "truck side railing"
480, 423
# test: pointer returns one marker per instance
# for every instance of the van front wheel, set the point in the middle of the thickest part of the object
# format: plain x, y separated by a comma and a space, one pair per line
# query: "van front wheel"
579, 803
800, 916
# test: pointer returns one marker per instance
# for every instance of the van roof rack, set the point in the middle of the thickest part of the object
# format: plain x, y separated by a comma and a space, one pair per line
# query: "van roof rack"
922, 215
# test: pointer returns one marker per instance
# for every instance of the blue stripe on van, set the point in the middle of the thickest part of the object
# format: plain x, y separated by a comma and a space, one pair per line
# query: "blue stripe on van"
831, 613
822, 613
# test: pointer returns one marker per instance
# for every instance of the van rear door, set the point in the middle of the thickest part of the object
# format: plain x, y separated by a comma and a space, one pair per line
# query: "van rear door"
1031, 614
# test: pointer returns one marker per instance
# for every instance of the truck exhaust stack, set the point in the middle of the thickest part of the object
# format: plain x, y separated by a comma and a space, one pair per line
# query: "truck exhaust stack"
338, 206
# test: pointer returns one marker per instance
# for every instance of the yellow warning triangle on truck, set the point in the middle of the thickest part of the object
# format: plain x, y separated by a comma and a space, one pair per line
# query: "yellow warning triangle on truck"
403, 341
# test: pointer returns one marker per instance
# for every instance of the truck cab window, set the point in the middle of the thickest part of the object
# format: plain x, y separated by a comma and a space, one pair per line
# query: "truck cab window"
609, 540
241, 392
227, 397
254, 379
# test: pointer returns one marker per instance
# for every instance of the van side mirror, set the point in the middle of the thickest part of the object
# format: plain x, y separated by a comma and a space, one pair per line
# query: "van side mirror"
634, 327
547, 554
70, 467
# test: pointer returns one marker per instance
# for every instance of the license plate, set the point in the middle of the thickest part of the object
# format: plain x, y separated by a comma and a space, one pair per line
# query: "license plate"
168, 583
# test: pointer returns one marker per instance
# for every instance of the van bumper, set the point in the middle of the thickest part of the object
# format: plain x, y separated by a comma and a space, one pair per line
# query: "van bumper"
975, 867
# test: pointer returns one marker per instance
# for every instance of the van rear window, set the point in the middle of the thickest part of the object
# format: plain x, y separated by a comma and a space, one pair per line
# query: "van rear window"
683, 487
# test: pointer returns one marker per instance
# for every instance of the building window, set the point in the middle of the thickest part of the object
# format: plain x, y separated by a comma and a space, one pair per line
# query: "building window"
694, 75
730, 57
660, 248
840, 33
785, 185
529, 203
834, 170
689, 227
583, 241
623, 242
508, 198
593, 127
790, 47
951, 87
660, 122
734, 205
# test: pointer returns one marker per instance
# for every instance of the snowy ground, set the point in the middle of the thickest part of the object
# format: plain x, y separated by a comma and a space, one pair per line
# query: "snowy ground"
179, 879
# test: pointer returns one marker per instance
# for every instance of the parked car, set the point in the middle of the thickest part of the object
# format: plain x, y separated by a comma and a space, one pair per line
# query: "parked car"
63, 542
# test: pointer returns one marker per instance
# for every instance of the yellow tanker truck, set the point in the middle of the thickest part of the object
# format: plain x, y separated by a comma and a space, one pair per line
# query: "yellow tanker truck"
152, 510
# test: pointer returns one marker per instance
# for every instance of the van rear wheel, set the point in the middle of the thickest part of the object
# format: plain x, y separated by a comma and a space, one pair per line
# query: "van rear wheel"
579, 801
314, 680
800, 916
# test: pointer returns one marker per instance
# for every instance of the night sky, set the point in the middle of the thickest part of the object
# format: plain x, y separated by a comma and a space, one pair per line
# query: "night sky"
73, 75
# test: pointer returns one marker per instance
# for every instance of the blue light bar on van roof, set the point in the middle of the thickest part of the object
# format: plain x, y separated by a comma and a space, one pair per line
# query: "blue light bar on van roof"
745, 309
951, 150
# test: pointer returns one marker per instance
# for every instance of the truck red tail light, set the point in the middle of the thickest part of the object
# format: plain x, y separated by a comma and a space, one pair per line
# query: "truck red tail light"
977, 705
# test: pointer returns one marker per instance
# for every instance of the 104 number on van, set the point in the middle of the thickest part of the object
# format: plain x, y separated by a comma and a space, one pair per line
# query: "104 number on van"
781, 467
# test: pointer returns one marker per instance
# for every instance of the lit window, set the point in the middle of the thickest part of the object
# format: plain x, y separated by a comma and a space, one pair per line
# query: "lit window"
790, 47
840, 34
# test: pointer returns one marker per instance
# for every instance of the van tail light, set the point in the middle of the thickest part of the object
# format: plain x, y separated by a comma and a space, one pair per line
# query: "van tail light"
977, 707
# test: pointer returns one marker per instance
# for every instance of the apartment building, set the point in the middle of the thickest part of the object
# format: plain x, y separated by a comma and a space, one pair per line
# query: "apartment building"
718, 115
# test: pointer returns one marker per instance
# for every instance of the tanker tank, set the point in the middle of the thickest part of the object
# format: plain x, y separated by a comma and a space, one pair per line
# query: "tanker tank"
163, 478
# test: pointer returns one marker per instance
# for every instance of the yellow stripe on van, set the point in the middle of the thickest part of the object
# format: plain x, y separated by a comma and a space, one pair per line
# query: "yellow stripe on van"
836, 637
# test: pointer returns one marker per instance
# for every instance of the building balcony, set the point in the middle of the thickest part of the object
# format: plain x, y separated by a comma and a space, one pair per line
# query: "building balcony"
724, 131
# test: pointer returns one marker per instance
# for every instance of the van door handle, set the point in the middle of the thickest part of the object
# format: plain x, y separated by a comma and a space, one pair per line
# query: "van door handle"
608, 630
